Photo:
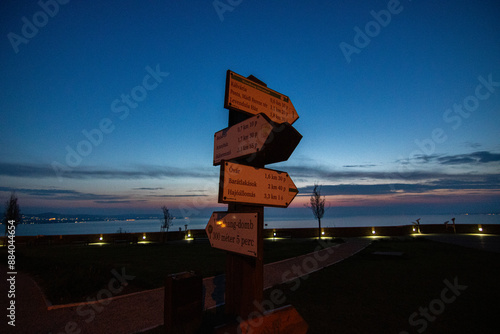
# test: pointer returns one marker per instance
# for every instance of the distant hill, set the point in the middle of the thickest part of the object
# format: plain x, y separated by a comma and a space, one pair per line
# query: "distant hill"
47, 215
61, 216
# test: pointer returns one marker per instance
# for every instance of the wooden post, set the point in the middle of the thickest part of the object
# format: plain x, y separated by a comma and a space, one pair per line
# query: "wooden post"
245, 274
183, 303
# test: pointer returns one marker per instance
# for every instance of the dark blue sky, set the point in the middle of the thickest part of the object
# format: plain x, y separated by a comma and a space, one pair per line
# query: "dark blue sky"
112, 106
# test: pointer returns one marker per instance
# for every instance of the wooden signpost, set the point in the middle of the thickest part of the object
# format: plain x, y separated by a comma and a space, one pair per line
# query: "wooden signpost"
259, 132
257, 140
234, 232
261, 186
246, 95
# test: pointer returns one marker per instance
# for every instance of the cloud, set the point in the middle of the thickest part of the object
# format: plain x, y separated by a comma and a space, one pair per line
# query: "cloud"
71, 195
358, 189
152, 189
332, 175
112, 202
175, 196
140, 172
473, 145
117, 201
359, 166
447, 182
40, 192
480, 157
63, 194
406, 173
55, 194
474, 158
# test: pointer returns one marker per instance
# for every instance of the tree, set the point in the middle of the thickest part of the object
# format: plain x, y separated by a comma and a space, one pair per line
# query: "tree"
317, 205
12, 212
167, 220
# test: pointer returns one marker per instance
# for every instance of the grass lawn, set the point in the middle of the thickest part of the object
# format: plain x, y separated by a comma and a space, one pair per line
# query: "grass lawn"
70, 273
433, 288
380, 294
374, 294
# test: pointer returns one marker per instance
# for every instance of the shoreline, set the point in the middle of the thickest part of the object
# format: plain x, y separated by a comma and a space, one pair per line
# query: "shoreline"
199, 235
199, 223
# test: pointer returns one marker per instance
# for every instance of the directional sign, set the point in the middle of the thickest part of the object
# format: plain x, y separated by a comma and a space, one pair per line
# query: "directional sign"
250, 185
245, 95
234, 232
257, 140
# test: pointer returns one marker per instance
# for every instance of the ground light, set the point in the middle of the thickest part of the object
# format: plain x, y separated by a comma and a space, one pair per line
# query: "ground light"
144, 240
275, 237
100, 243
480, 228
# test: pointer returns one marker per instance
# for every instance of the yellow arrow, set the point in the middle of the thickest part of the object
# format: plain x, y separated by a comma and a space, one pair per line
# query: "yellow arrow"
250, 185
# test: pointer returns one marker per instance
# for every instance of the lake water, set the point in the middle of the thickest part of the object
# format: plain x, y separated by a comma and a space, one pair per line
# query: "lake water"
153, 225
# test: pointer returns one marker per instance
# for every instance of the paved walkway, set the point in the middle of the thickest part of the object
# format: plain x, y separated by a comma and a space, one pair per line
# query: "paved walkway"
139, 311
486, 242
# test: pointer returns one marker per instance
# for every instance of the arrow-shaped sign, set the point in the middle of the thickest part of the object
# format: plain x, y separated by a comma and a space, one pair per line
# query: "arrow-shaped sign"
234, 232
245, 95
257, 140
250, 185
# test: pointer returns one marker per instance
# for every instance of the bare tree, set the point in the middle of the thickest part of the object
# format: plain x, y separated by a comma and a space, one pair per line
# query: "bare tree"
167, 221
12, 212
317, 205
446, 224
